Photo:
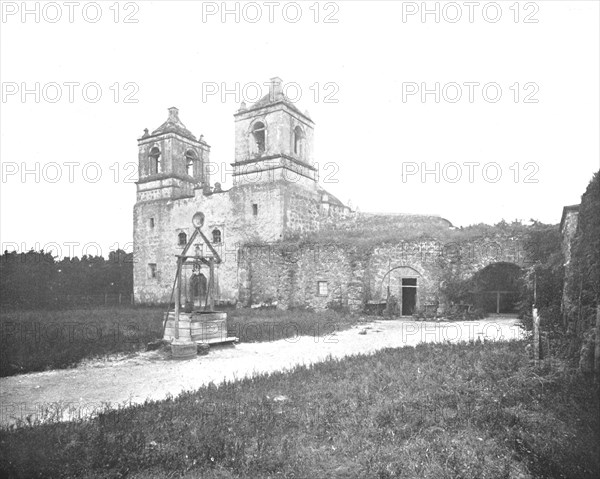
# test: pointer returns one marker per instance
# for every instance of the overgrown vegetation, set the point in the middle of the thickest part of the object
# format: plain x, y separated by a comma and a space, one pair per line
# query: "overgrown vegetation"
434, 411
41, 340
544, 280
380, 230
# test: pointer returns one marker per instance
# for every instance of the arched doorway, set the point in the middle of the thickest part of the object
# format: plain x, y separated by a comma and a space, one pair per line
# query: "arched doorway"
498, 288
399, 288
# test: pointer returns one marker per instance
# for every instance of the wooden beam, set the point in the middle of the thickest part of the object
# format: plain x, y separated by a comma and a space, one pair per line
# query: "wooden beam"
211, 297
210, 246
177, 297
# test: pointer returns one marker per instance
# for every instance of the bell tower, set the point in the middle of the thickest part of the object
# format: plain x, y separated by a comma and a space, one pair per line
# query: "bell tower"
171, 161
273, 140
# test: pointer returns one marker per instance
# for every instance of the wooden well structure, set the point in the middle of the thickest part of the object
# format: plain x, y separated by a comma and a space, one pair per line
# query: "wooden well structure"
195, 322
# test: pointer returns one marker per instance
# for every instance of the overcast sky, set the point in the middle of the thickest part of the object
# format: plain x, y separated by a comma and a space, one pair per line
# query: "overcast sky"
360, 68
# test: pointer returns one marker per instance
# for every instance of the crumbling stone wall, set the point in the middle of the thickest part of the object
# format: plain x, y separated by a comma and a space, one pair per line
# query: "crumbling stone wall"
288, 272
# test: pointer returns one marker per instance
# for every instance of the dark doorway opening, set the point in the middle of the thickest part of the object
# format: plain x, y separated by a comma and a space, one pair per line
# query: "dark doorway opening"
498, 288
409, 296
198, 288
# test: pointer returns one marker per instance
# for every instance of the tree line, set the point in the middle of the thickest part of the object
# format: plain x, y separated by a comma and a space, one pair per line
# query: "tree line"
37, 279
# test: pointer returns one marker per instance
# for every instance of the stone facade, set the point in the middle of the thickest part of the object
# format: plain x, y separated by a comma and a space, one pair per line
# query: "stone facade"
275, 194
260, 227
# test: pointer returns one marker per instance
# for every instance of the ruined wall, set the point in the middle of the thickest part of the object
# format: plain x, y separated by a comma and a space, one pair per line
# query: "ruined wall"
288, 273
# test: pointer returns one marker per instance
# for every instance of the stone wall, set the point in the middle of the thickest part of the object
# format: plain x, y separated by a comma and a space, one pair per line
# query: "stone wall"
288, 273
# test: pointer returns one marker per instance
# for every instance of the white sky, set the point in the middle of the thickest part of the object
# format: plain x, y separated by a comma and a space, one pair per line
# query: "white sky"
370, 133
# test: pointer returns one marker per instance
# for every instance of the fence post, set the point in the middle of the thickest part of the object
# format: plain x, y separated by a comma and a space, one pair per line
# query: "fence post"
597, 351
536, 336
119, 298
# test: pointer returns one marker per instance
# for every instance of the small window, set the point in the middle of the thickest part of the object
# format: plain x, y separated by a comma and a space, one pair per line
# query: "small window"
152, 270
151, 222
254, 209
182, 239
216, 236
322, 288
409, 282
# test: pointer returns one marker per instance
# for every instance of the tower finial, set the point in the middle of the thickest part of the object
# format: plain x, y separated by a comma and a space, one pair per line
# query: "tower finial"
275, 90
174, 114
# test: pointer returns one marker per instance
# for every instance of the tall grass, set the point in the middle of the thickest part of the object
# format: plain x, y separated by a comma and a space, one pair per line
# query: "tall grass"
433, 411
41, 340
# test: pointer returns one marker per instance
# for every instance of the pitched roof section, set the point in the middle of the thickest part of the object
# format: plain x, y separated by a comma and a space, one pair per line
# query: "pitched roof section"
174, 125
275, 96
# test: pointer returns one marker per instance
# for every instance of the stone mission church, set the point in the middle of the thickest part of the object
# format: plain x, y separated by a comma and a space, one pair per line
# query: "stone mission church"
275, 193
255, 228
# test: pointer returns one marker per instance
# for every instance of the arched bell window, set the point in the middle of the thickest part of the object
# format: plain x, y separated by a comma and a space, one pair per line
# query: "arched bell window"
298, 142
154, 160
258, 143
190, 158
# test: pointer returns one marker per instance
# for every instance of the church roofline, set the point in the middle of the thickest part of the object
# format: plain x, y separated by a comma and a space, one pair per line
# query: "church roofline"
153, 136
172, 125
292, 107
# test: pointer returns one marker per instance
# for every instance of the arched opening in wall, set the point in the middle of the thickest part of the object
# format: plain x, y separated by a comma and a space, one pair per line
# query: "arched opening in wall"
258, 140
190, 158
498, 288
182, 239
299, 142
216, 236
399, 290
154, 157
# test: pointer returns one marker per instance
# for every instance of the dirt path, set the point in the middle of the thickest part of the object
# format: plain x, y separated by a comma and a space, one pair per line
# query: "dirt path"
87, 388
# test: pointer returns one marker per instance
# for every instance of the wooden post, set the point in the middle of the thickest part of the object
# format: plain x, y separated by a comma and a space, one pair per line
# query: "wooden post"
177, 297
211, 286
497, 302
119, 298
536, 336
105, 298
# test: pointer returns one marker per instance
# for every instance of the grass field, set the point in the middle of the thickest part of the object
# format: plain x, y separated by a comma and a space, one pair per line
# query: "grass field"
435, 411
41, 340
